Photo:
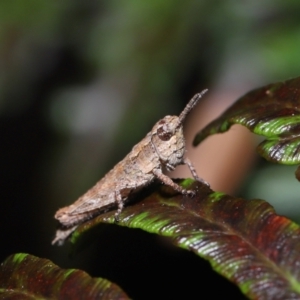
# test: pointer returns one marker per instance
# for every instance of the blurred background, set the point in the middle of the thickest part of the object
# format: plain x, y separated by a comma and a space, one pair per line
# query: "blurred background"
81, 82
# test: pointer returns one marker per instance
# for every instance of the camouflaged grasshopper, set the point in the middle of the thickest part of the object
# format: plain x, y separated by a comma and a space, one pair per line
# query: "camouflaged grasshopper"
162, 149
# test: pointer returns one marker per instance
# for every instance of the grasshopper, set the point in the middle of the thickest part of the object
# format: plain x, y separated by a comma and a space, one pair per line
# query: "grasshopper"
163, 148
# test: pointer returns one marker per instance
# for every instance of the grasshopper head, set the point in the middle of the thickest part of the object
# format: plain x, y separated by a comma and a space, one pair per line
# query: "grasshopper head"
167, 136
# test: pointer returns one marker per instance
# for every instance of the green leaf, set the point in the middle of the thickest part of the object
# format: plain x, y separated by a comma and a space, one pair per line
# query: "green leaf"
272, 111
23, 276
244, 240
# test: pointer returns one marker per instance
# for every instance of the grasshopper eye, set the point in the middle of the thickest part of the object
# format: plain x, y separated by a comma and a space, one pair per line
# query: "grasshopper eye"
164, 135
163, 131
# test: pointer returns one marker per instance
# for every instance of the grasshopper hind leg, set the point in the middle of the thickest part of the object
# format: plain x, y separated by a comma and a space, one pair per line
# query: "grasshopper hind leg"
120, 203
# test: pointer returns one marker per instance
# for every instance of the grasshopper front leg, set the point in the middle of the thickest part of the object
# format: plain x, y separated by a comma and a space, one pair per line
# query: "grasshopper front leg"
168, 181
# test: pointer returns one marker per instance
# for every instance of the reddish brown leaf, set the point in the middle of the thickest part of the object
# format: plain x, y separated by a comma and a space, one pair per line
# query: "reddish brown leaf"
23, 276
244, 240
272, 111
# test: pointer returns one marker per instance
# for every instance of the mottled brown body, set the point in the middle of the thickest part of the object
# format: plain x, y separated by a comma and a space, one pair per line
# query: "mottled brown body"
162, 149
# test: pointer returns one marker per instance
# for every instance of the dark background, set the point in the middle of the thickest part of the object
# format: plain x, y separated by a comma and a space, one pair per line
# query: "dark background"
81, 82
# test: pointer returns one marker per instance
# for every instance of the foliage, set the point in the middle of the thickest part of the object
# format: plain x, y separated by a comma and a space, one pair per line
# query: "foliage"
244, 240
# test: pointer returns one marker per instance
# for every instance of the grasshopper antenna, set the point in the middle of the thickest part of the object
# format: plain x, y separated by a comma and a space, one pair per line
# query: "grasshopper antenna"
190, 106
